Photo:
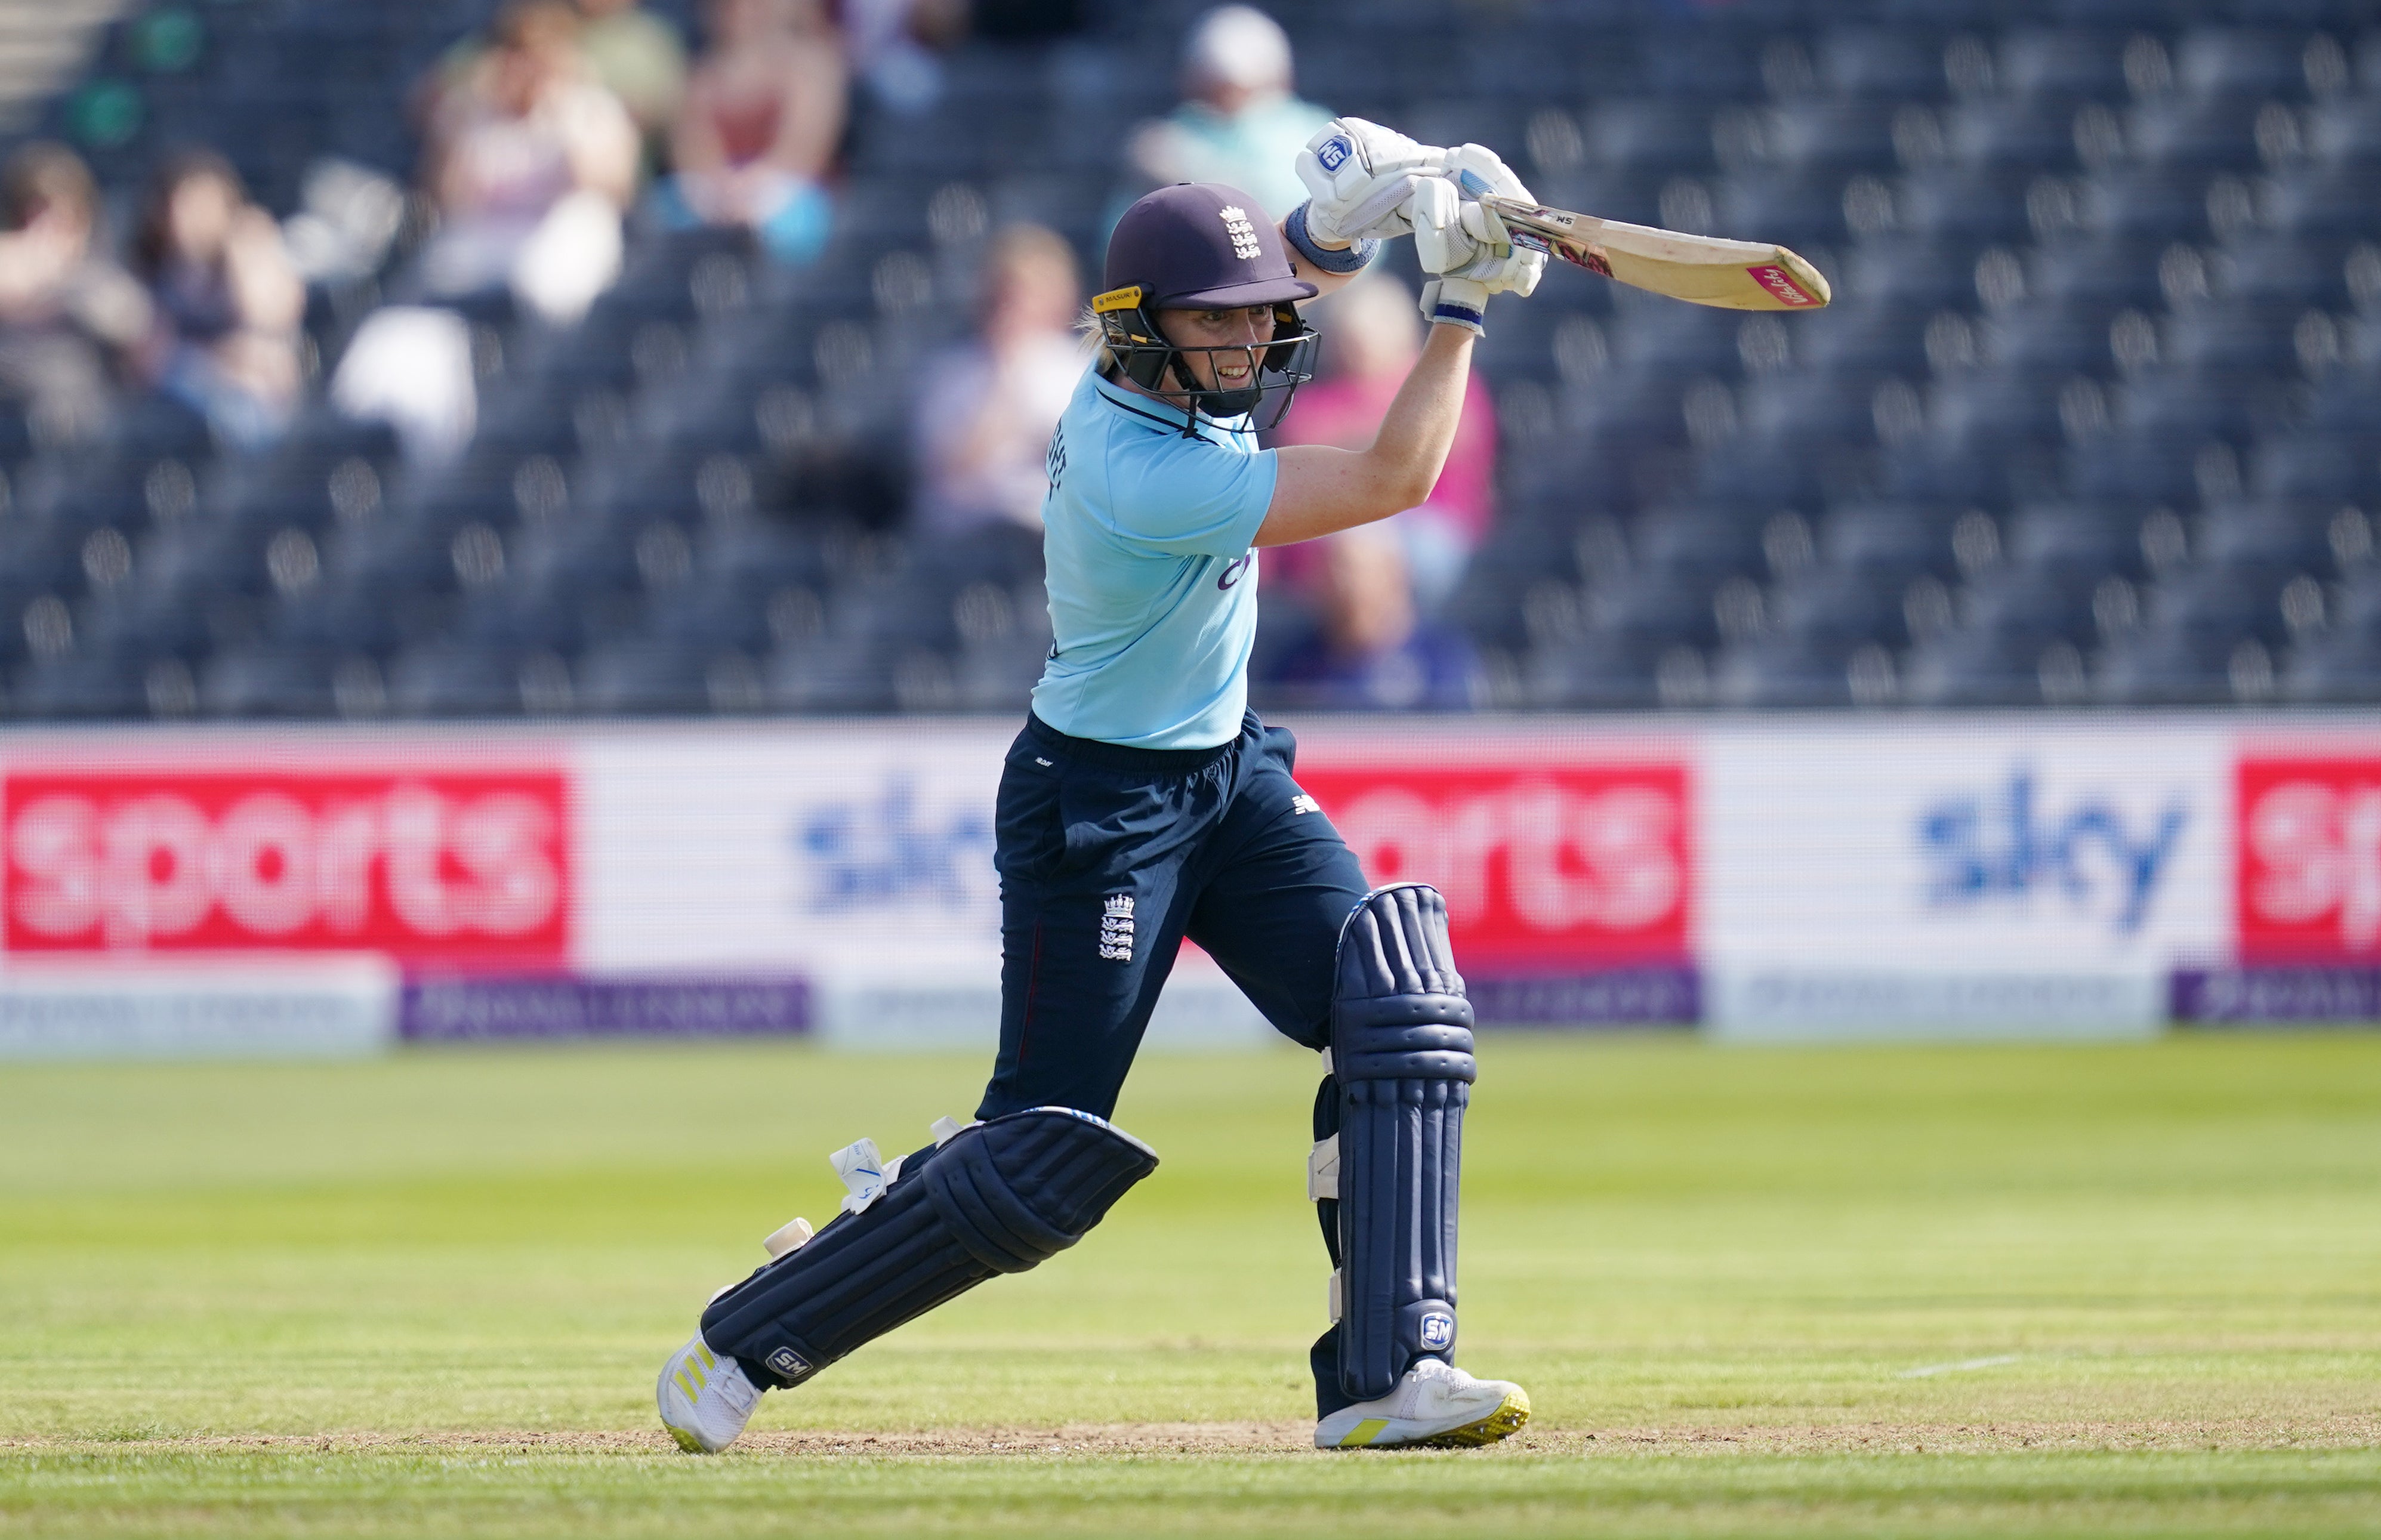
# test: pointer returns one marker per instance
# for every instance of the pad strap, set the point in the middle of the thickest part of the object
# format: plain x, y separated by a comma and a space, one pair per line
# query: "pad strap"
997, 1197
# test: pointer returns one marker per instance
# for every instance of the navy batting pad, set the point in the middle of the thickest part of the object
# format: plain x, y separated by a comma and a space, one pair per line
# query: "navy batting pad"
1000, 1197
1401, 1053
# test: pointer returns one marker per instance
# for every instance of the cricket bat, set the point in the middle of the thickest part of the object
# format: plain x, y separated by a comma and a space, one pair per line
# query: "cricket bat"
1701, 270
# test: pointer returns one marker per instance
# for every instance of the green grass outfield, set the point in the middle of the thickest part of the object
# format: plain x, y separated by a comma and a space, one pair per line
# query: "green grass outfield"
1921, 1291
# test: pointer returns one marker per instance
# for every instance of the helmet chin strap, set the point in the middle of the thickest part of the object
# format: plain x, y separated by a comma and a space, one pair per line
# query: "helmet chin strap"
1217, 403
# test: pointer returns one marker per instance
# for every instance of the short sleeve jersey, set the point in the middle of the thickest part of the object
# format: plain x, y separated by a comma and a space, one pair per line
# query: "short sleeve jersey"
1148, 539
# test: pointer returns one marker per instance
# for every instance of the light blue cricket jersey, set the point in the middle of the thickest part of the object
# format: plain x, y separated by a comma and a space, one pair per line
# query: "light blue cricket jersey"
1148, 537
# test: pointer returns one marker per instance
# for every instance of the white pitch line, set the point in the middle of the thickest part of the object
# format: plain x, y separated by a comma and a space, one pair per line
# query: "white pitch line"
1962, 1366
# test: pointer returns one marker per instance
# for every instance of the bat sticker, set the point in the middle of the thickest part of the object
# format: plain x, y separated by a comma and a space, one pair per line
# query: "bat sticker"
1579, 256
1778, 282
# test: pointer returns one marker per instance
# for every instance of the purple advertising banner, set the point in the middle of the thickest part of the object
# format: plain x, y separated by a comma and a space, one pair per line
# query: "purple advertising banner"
2279, 995
553, 1005
1659, 996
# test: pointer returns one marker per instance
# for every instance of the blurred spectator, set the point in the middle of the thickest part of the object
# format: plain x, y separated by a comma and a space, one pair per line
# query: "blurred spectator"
638, 58
1368, 649
894, 46
632, 52
1239, 124
1372, 333
349, 219
226, 300
988, 407
70, 317
532, 162
409, 366
763, 115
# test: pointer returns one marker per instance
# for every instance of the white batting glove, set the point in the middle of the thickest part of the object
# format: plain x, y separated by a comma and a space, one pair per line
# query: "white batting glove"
1458, 238
1358, 176
1452, 296
1455, 302
1474, 169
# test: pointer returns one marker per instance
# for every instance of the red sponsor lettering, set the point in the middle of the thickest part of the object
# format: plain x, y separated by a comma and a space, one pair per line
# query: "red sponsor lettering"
2309, 872
454, 868
1778, 281
1545, 866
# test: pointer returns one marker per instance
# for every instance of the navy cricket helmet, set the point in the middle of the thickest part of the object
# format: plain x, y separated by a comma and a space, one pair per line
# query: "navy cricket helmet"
1203, 246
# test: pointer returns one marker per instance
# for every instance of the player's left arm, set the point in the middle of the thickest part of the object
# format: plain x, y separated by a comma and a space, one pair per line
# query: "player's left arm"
1325, 281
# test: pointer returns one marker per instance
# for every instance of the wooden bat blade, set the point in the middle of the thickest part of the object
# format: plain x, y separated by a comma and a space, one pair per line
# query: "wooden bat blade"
1701, 270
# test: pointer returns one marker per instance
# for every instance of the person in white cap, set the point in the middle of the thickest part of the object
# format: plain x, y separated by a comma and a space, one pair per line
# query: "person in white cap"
1239, 123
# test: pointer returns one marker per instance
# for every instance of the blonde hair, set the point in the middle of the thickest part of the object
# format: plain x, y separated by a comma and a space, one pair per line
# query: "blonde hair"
1092, 332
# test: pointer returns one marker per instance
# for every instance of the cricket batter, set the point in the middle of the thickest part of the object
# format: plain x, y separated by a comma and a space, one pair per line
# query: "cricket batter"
1144, 802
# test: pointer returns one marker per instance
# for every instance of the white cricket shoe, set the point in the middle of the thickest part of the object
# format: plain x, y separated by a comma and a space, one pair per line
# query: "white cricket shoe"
1435, 1405
704, 1397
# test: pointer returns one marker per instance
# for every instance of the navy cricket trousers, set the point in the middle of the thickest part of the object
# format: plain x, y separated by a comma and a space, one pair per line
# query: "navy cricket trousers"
1110, 856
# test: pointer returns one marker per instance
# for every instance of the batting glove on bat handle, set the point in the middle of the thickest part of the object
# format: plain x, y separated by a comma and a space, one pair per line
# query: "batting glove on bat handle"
1358, 176
1455, 302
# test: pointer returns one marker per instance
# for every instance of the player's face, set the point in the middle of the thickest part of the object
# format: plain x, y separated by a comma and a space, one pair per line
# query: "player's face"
1249, 327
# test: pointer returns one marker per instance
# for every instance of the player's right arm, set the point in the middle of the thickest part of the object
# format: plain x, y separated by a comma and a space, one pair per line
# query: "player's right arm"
1319, 490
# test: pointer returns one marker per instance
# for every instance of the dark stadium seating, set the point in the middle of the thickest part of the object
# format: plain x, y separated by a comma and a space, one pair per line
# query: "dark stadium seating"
2096, 418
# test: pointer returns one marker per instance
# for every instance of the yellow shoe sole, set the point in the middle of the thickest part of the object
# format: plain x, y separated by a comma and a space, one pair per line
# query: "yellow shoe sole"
1502, 1422
687, 1441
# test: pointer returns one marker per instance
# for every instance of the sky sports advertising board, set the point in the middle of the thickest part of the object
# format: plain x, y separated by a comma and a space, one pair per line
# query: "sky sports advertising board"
1983, 877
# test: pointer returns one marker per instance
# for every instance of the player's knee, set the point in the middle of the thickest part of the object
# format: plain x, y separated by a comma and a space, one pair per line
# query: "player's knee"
1018, 1191
1398, 1011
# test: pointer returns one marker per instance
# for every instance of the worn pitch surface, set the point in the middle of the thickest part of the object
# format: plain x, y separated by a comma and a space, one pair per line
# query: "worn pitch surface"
1846, 1292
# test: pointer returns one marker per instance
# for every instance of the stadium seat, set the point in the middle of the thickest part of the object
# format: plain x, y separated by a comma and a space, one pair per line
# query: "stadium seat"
1973, 668
2136, 465
2317, 466
448, 679
1650, 136
103, 686
1650, 615
1814, 135
1799, 675
2050, 67
2029, 602
2145, 202
1704, 545
2105, 274
1888, 544
2345, 131
1979, 204
2168, 668
2319, 203
264, 681
2339, 670
1907, 276
2285, 271
1607, 674
833, 676
2242, 64
649, 678
1840, 606
2009, 134
2204, 394
2195, 133
2075, 540
1982, 410
2261, 539
1802, 210
2054, 337
1885, 63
